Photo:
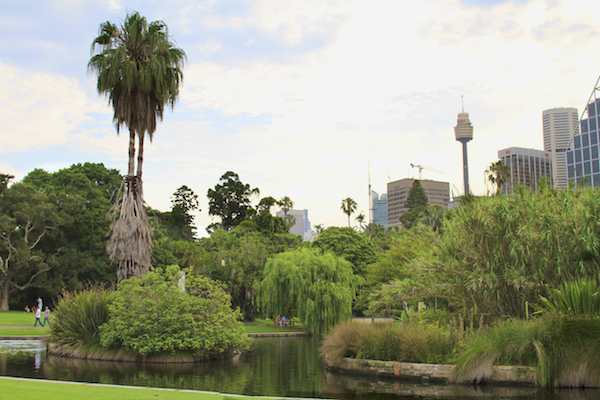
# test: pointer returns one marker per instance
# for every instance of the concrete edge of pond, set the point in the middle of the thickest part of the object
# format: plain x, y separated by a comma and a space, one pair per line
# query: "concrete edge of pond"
504, 375
278, 334
23, 337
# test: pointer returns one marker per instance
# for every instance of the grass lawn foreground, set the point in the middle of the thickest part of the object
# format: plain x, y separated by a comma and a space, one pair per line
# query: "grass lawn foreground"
34, 389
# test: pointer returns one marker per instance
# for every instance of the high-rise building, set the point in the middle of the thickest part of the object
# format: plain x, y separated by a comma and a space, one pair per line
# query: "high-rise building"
380, 212
527, 167
302, 225
438, 194
560, 125
582, 159
463, 131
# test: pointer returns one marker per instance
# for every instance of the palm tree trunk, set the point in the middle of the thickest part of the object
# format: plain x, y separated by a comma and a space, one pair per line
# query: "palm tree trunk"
140, 156
131, 152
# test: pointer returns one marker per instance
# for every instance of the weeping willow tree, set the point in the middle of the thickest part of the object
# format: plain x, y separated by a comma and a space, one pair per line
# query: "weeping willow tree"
315, 287
139, 70
500, 253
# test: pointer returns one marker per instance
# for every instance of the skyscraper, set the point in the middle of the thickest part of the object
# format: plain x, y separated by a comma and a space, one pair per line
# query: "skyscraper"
527, 167
302, 225
560, 125
380, 208
583, 156
463, 132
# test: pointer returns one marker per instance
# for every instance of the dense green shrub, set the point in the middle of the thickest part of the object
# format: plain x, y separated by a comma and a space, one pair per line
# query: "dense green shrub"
77, 317
388, 342
164, 313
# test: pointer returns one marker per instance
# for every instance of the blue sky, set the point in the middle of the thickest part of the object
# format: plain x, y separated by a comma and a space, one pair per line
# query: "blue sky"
299, 97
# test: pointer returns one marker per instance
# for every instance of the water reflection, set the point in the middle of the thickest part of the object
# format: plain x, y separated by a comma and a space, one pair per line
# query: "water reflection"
276, 367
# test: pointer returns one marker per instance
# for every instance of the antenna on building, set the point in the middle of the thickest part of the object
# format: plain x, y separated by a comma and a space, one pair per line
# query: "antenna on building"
388, 174
462, 100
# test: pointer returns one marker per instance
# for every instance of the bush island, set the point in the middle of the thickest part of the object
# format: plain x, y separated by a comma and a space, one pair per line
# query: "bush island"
164, 316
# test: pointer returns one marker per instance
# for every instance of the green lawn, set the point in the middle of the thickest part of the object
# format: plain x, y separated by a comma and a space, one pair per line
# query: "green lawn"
18, 318
51, 390
24, 331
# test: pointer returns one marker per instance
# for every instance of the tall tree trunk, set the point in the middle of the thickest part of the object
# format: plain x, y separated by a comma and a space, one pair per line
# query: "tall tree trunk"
4, 295
131, 152
140, 156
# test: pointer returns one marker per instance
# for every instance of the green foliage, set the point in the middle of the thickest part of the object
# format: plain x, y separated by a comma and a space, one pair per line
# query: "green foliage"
573, 298
565, 350
382, 237
81, 240
395, 263
499, 175
237, 260
230, 200
28, 216
317, 288
514, 342
153, 315
347, 243
78, 316
388, 342
416, 196
500, 253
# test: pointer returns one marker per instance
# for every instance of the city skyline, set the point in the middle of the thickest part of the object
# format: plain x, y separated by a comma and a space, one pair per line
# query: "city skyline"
296, 98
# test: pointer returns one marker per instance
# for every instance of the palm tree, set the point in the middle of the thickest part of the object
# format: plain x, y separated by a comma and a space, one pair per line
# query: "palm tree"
360, 218
499, 174
348, 207
139, 70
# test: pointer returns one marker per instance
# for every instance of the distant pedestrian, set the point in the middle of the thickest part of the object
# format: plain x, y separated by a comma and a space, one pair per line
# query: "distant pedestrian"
38, 315
46, 316
40, 304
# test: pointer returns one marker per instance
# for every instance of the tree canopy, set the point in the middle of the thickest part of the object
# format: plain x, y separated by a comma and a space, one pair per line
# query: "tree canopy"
348, 207
305, 283
416, 202
230, 201
348, 244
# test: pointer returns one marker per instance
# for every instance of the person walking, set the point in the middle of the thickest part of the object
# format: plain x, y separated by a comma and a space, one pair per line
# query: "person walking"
46, 317
38, 315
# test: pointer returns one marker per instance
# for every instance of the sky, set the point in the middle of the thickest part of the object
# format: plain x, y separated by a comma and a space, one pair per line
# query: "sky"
301, 98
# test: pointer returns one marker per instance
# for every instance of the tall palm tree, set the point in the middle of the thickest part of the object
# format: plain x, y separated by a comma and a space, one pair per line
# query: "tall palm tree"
499, 175
348, 207
139, 70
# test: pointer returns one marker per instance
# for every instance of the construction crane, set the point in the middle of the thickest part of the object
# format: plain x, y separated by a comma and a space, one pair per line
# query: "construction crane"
421, 168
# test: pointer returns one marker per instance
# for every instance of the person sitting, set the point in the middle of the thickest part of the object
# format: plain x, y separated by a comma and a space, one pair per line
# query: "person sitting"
284, 321
277, 321
27, 309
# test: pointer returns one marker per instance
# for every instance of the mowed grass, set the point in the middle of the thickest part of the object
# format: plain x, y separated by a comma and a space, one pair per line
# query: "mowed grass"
24, 331
52, 390
19, 318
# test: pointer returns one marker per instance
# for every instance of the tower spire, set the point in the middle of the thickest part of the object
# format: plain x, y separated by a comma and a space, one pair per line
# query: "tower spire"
463, 132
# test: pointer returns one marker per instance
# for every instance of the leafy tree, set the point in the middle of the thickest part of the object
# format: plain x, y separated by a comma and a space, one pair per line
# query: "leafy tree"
177, 224
139, 70
416, 202
317, 288
499, 175
348, 208
237, 259
160, 313
82, 239
187, 200
27, 216
380, 236
432, 216
348, 244
231, 201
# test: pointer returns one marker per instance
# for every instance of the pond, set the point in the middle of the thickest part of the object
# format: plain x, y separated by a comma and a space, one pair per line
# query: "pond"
275, 367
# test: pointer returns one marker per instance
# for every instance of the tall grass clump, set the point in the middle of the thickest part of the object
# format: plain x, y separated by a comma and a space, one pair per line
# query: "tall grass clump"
513, 342
77, 319
388, 342
572, 348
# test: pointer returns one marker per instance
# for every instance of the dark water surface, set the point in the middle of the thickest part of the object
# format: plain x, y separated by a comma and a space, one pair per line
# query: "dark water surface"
275, 367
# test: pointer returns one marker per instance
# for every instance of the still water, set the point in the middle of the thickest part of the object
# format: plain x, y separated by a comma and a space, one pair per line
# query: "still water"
275, 367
